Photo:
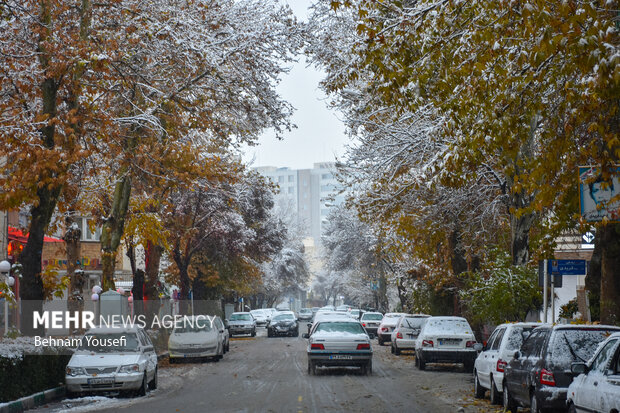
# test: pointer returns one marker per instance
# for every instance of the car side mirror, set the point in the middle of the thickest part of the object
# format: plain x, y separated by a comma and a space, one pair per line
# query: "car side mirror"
578, 368
517, 355
478, 347
305, 335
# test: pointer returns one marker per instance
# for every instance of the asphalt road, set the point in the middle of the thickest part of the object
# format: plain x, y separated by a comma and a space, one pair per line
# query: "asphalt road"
270, 375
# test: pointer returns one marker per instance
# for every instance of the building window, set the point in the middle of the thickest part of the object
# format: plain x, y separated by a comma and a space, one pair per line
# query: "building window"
291, 190
291, 178
89, 234
280, 179
327, 176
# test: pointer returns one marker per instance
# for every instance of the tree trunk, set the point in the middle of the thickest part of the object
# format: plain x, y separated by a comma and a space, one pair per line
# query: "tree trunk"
112, 232
520, 237
609, 237
152, 260
75, 299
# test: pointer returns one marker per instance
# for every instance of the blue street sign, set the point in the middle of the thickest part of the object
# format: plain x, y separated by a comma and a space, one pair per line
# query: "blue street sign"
567, 267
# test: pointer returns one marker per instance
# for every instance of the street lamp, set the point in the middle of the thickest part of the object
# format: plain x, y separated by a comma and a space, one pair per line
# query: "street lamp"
5, 268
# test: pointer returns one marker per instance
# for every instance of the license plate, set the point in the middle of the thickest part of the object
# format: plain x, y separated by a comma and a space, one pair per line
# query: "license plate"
340, 357
103, 380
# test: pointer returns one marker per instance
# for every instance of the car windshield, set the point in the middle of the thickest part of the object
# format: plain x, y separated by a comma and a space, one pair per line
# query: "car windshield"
575, 345
284, 317
305, 310
240, 317
447, 326
109, 342
517, 336
413, 322
197, 326
372, 317
340, 327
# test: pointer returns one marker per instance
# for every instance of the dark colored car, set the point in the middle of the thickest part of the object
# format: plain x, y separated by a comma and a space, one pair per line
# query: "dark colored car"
540, 373
283, 324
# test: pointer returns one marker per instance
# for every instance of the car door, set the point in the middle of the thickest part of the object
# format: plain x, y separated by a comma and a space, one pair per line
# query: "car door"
596, 386
521, 368
483, 365
149, 353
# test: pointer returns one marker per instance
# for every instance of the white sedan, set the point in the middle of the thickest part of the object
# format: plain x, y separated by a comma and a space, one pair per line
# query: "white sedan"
113, 359
198, 337
597, 388
341, 342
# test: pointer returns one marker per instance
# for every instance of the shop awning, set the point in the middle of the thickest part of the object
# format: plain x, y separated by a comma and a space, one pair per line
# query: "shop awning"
17, 235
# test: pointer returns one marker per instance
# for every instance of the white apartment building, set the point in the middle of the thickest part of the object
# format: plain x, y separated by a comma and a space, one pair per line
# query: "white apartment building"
312, 192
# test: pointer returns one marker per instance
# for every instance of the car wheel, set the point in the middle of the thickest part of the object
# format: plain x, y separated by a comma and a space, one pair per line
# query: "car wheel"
269, 333
380, 341
478, 389
392, 349
143, 387
253, 333
509, 403
496, 396
572, 408
396, 351
228, 347
153, 383
421, 363
311, 368
296, 333
469, 366
369, 368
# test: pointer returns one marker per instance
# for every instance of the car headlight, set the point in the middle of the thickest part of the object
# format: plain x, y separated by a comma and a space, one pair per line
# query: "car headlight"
129, 368
75, 371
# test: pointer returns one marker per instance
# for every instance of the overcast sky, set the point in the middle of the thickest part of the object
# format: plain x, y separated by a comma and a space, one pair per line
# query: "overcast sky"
319, 136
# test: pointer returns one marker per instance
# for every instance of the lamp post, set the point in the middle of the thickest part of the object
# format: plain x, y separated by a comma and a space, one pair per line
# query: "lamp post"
5, 268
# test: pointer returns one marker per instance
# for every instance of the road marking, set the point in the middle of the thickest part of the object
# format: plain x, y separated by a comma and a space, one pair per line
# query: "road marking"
299, 399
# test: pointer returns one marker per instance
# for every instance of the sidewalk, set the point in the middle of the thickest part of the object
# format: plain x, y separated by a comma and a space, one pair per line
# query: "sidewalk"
33, 400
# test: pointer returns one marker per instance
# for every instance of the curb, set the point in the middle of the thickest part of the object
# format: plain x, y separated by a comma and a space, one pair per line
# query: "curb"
33, 400
47, 396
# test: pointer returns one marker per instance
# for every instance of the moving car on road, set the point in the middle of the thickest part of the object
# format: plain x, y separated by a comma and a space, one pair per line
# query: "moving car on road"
389, 321
260, 316
406, 332
283, 324
341, 342
540, 373
446, 340
496, 353
113, 359
596, 387
305, 314
197, 338
370, 321
241, 323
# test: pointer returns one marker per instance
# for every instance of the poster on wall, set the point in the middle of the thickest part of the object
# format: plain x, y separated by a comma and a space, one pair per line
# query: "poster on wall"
599, 198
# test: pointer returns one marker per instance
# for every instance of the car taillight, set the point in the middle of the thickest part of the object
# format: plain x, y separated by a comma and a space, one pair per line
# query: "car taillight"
384, 329
501, 365
365, 346
317, 346
546, 377
399, 335
470, 344
427, 343
364, 324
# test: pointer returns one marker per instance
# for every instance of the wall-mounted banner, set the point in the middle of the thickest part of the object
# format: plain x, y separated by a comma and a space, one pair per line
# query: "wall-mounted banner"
596, 194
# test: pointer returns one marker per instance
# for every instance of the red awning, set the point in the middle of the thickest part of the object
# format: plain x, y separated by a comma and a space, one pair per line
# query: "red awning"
17, 235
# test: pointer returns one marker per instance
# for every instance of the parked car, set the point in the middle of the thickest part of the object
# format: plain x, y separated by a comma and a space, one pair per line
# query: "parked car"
283, 324
384, 332
113, 359
370, 321
241, 323
406, 331
496, 353
260, 316
305, 314
539, 374
446, 340
596, 387
223, 330
198, 338
341, 342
